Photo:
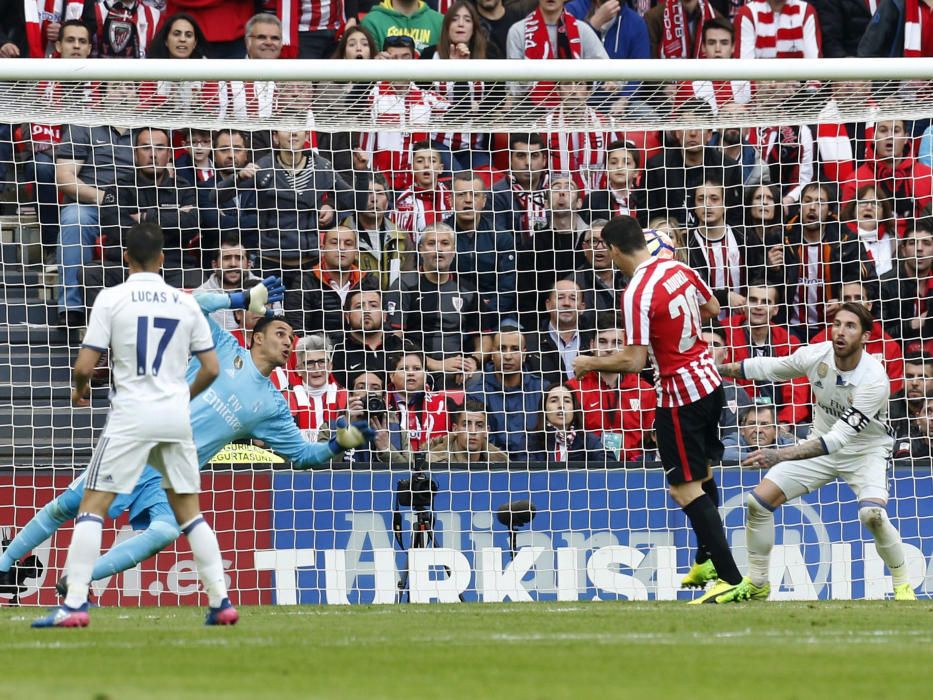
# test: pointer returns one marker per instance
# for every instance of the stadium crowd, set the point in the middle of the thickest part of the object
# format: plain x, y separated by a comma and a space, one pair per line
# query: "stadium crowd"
441, 283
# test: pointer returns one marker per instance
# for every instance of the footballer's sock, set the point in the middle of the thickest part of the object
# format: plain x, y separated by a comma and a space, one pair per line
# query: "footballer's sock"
887, 539
159, 535
759, 533
711, 490
206, 552
708, 527
42, 526
83, 552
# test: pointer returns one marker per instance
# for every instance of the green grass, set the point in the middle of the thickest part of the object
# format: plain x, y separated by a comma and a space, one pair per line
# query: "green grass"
545, 650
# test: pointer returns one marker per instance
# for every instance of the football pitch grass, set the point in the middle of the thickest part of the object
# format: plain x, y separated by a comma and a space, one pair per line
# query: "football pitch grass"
600, 650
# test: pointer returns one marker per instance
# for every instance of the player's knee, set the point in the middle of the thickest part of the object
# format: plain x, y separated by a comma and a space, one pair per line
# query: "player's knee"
64, 507
872, 517
755, 507
165, 531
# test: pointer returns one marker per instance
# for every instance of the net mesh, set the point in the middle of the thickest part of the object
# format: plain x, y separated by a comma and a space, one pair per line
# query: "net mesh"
788, 197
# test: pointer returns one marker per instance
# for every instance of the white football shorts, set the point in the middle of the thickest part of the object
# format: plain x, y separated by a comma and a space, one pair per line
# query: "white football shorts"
118, 462
866, 474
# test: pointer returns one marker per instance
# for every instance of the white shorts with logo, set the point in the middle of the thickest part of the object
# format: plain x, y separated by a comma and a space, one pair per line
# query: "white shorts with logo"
118, 462
866, 474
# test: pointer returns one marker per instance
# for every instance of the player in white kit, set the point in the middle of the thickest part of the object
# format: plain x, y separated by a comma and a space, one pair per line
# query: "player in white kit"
850, 439
150, 329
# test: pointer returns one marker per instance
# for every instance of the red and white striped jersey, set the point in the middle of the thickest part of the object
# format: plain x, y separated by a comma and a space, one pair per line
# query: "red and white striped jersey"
312, 409
411, 110
581, 151
112, 39
715, 93
449, 92
38, 14
662, 312
834, 143
307, 16
415, 208
794, 32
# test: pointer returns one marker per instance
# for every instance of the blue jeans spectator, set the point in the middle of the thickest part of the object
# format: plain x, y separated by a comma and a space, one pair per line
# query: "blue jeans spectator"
41, 172
80, 227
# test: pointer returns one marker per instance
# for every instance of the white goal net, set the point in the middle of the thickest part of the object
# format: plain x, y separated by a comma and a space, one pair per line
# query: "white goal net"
439, 232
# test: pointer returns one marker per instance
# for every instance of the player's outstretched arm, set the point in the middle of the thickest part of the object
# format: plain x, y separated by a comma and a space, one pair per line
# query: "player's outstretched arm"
772, 369
630, 359
768, 457
82, 373
207, 372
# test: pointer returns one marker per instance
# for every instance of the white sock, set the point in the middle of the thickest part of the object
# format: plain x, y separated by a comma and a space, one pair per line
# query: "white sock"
759, 531
206, 552
82, 553
887, 540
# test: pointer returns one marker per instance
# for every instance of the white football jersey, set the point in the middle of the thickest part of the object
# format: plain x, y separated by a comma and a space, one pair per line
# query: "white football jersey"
851, 408
151, 329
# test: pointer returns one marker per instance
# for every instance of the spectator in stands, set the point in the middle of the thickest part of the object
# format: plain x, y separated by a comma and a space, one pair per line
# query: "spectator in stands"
30, 29
224, 23
298, 195
390, 446
310, 29
920, 435
231, 269
485, 256
842, 23
427, 201
385, 251
757, 430
87, 162
561, 336
624, 191
787, 151
715, 248
686, 162
255, 99
676, 27
737, 399
195, 164
496, 19
816, 261
560, 436
411, 18
511, 395
601, 282
617, 408
899, 28
422, 412
314, 304
734, 144
122, 30
880, 345
870, 219
468, 440
763, 233
74, 41
227, 202
150, 194
520, 200
437, 311
316, 400
910, 402
180, 36
400, 102
552, 32
777, 29
906, 289
754, 332
893, 169
718, 38
364, 345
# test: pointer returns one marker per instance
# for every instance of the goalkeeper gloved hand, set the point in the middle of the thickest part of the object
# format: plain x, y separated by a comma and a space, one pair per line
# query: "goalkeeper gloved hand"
351, 437
269, 291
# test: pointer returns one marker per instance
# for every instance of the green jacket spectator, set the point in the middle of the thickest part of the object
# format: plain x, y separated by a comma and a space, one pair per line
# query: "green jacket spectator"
404, 17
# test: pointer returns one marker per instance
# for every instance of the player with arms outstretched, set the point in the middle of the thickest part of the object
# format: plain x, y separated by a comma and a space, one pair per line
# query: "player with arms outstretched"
664, 304
850, 440
242, 403
150, 330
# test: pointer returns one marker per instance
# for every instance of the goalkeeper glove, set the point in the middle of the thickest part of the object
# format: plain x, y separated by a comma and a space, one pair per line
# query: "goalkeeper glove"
269, 291
351, 437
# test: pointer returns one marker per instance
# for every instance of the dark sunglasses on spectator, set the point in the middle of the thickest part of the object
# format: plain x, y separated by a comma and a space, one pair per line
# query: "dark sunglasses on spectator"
399, 41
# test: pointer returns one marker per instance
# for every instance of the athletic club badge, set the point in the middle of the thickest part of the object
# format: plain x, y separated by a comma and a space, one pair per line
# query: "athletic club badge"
120, 29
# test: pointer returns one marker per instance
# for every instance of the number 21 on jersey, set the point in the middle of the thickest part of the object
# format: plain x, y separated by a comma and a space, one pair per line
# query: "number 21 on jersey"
167, 327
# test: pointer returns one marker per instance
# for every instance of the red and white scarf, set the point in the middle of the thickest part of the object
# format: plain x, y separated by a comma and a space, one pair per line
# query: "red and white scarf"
38, 14
674, 43
416, 209
563, 441
581, 151
913, 29
723, 258
533, 205
303, 16
452, 92
538, 46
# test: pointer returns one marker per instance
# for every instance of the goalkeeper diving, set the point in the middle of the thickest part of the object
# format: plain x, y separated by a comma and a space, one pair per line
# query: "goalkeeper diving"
242, 403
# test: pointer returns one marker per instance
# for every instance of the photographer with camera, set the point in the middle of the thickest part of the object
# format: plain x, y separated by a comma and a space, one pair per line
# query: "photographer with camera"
367, 401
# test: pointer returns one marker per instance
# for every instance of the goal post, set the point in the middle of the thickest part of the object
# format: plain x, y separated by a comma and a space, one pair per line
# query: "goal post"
456, 207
